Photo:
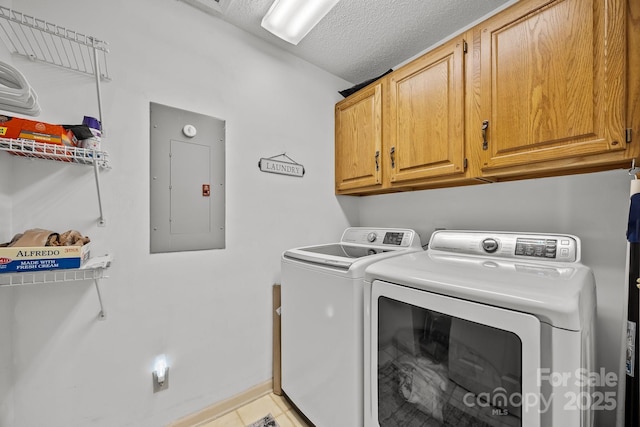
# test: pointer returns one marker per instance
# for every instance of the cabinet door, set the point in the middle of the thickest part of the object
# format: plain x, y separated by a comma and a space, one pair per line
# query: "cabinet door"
359, 139
426, 96
552, 82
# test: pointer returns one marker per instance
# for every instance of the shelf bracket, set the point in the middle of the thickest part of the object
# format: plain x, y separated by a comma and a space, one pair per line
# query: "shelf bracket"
96, 171
102, 315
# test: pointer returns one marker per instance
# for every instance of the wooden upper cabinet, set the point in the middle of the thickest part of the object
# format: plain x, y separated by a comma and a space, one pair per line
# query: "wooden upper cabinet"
550, 87
552, 82
426, 115
358, 139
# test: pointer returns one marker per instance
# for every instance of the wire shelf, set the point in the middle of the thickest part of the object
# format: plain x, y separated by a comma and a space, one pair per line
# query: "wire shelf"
93, 269
61, 153
43, 41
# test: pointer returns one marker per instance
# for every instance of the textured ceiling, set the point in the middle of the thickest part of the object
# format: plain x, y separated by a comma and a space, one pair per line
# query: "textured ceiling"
360, 39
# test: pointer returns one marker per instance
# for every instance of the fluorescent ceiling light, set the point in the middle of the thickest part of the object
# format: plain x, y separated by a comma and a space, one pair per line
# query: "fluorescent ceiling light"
291, 20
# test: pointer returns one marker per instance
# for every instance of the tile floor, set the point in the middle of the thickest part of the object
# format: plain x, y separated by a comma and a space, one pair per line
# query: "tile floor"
278, 406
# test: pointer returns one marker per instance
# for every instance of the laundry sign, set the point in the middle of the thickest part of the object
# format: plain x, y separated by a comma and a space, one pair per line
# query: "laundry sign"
282, 167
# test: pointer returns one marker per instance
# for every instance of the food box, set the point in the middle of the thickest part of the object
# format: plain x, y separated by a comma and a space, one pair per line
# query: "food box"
51, 139
31, 259
18, 128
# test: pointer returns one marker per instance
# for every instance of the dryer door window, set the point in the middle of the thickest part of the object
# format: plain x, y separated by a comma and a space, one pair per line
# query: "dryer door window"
446, 363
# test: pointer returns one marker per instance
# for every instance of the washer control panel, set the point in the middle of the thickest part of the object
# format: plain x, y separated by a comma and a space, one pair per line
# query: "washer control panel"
547, 247
385, 237
541, 248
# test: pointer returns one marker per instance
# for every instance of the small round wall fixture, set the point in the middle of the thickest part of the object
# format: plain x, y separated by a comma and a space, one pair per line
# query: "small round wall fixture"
189, 131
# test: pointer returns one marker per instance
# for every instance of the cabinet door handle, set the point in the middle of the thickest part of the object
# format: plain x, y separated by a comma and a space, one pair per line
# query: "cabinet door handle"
392, 154
377, 160
485, 143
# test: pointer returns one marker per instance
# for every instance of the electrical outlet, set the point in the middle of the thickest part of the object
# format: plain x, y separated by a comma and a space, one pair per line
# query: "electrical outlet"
159, 386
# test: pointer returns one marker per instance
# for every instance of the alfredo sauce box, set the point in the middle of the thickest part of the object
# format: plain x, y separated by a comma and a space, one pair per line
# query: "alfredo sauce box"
30, 259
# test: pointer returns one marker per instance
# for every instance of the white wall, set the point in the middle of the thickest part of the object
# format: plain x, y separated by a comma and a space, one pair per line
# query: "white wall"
6, 299
208, 311
6, 295
594, 207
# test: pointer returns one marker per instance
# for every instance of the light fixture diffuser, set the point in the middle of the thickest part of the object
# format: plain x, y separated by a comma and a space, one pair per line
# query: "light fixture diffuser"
291, 20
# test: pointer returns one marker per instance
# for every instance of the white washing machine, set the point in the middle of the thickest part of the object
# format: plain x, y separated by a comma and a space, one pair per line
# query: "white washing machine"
322, 321
482, 329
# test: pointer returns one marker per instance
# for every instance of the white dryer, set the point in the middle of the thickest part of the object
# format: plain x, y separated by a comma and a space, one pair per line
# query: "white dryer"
482, 329
322, 321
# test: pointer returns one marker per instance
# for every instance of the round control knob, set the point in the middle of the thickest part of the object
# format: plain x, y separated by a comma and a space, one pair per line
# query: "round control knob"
372, 237
490, 245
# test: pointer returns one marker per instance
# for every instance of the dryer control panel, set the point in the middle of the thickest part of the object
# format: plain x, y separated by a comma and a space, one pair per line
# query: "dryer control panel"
386, 237
540, 247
